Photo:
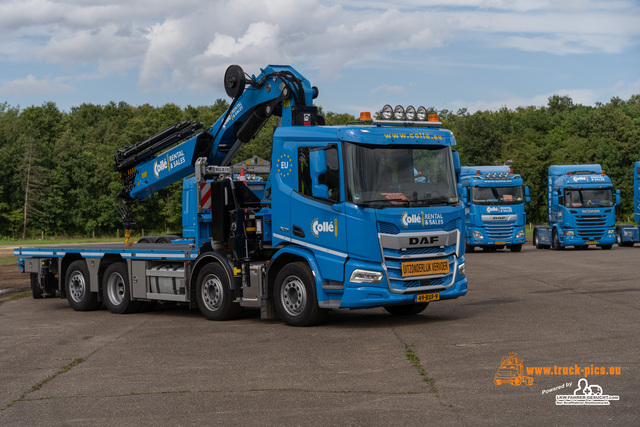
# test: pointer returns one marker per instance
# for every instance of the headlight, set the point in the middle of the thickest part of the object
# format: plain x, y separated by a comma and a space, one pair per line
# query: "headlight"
462, 270
569, 233
520, 234
476, 234
612, 231
365, 276
386, 112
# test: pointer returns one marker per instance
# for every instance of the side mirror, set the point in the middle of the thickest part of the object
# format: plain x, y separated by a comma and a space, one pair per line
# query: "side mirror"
317, 167
527, 199
618, 197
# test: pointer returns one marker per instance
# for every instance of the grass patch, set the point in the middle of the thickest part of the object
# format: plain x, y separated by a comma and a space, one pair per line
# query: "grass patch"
7, 261
415, 361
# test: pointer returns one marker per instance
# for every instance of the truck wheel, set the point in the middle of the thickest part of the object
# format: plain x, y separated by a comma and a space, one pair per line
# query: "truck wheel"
536, 240
77, 287
516, 248
213, 294
406, 310
606, 246
295, 296
116, 291
469, 248
619, 238
36, 290
555, 245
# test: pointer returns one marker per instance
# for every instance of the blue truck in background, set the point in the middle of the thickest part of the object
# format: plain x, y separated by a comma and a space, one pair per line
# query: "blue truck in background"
494, 201
354, 216
629, 234
581, 208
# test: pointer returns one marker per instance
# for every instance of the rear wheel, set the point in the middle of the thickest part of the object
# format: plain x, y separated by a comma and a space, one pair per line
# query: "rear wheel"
214, 296
406, 310
295, 296
77, 287
116, 291
536, 240
36, 290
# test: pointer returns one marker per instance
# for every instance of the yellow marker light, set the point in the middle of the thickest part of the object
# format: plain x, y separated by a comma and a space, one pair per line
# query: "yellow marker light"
365, 116
434, 118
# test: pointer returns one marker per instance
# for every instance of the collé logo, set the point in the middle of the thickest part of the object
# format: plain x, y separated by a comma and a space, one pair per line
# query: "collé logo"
318, 227
159, 166
408, 219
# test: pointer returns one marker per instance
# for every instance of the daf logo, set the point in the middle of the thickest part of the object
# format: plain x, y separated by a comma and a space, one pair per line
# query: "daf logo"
427, 240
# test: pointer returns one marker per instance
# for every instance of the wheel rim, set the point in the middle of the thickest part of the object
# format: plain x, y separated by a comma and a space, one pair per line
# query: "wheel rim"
77, 286
535, 239
212, 292
115, 289
293, 295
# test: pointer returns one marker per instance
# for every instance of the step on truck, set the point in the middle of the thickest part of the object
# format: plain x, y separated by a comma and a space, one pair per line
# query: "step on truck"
581, 207
340, 222
494, 200
629, 234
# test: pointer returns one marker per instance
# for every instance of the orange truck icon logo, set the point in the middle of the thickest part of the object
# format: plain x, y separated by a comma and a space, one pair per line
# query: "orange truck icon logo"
511, 371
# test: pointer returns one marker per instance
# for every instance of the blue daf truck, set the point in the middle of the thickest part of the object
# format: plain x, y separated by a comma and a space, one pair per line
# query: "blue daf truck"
629, 234
494, 201
356, 216
581, 205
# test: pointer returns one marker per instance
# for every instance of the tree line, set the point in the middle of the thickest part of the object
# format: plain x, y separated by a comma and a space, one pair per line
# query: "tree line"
57, 176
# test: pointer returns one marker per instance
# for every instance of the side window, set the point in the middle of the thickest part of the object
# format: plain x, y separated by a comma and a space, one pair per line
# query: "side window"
304, 175
332, 177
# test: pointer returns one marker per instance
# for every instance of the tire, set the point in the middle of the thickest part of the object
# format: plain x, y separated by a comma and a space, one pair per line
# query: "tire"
619, 238
116, 291
536, 240
470, 248
36, 290
555, 245
295, 296
77, 287
516, 248
606, 247
406, 310
213, 294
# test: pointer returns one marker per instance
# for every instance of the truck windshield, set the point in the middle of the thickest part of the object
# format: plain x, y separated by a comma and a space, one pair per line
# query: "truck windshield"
399, 175
497, 195
596, 197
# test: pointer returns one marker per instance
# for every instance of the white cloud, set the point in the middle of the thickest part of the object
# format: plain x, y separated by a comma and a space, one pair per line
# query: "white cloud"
33, 86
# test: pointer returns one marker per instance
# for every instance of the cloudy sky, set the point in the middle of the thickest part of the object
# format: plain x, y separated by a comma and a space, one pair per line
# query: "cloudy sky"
474, 54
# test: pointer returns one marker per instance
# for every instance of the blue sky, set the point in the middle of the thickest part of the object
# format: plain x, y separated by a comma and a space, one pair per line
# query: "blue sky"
447, 54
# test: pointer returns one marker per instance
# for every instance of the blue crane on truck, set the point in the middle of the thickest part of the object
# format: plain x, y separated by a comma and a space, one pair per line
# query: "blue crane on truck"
629, 234
581, 206
341, 222
494, 199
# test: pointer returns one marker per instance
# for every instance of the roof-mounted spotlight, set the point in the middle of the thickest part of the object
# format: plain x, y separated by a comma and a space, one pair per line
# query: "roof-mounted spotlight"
421, 113
398, 112
387, 112
410, 113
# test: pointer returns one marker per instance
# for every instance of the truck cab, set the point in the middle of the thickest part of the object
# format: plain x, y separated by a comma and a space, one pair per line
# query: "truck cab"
494, 201
581, 206
629, 234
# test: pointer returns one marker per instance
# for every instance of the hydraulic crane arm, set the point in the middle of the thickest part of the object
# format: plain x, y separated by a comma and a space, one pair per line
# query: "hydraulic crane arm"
155, 163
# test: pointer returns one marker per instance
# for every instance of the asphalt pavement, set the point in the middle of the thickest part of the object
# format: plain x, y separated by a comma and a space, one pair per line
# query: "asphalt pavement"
564, 309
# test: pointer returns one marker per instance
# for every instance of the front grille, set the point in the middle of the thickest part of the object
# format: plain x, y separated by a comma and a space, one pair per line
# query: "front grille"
409, 284
591, 226
500, 231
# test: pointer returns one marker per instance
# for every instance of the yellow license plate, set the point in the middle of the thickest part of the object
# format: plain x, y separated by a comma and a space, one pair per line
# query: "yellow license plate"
501, 243
425, 268
592, 242
427, 297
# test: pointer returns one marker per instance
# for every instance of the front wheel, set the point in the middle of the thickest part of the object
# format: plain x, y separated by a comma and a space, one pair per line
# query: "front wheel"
406, 310
469, 248
606, 246
77, 287
213, 294
516, 248
295, 296
116, 291
555, 241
